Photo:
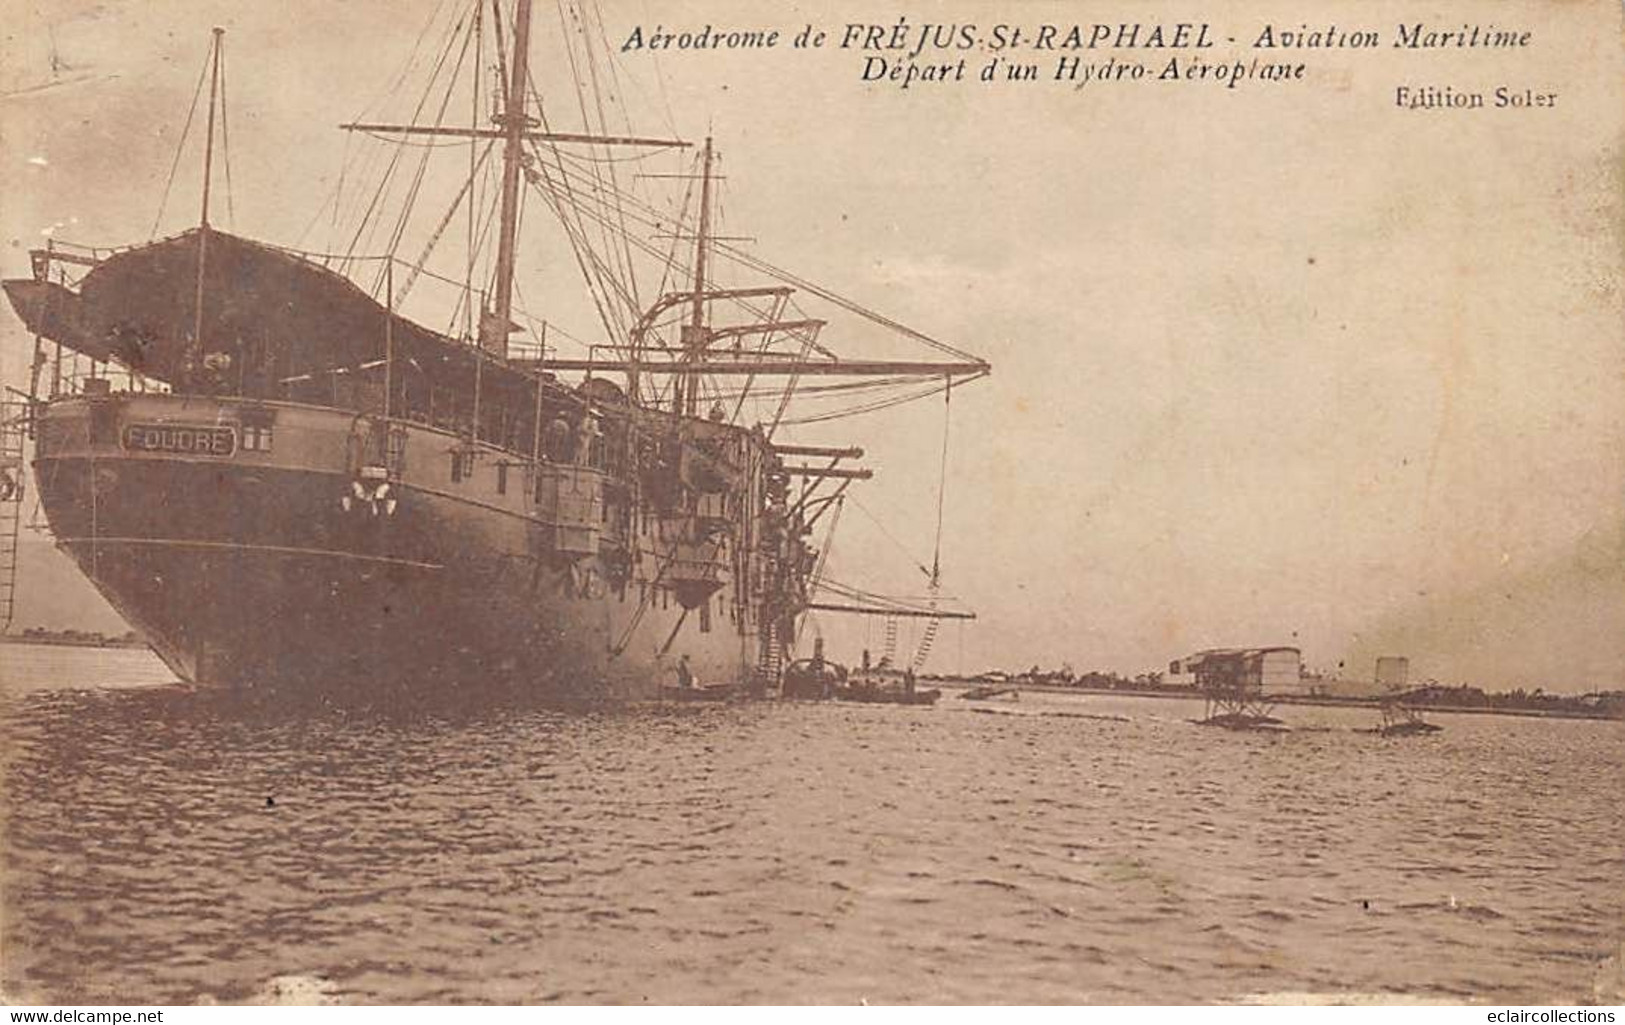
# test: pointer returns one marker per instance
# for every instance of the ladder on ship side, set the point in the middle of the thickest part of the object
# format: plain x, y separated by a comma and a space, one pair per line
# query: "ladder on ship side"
771, 664
927, 638
13, 417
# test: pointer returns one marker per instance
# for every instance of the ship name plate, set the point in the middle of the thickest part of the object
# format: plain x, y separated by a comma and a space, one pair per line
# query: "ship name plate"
191, 439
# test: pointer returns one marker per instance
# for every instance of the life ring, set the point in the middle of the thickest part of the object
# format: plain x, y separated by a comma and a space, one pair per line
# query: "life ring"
374, 498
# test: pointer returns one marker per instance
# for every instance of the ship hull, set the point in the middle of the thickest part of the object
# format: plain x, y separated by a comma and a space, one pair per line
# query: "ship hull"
275, 571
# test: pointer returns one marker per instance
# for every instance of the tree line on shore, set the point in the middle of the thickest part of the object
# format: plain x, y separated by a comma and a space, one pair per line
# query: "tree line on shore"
1602, 704
78, 638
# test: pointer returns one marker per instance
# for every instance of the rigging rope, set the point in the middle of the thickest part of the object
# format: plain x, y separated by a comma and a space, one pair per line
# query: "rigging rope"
623, 253
929, 635
755, 263
180, 146
600, 282
601, 218
891, 537
885, 603
942, 476
651, 215
423, 165
470, 326
870, 407
336, 200
225, 142
561, 197
440, 229
829, 543
366, 221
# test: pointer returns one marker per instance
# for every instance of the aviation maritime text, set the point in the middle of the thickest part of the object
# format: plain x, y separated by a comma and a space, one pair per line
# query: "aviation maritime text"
906, 38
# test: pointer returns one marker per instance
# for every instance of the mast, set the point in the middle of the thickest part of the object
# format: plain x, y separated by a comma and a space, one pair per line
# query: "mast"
694, 335
478, 324
514, 124
514, 127
203, 218
389, 333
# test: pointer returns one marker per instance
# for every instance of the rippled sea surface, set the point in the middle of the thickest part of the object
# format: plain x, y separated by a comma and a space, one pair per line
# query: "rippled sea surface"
162, 845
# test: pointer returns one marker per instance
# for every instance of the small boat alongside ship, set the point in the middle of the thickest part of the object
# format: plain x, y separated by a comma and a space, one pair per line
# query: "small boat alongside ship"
819, 679
871, 692
812, 679
990, 693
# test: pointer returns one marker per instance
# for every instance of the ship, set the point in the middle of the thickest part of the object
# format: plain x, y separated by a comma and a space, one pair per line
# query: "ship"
281, 479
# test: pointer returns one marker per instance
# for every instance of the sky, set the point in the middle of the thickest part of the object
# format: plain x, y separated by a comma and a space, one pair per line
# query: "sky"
1280, 364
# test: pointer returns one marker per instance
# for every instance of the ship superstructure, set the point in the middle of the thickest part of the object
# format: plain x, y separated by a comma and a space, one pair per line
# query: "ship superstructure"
278, 477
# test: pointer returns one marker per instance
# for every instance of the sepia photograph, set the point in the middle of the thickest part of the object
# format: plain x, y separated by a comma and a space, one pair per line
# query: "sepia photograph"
956, 502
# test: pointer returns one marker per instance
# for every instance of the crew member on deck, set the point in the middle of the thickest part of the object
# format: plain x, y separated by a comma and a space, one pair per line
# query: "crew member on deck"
560, 443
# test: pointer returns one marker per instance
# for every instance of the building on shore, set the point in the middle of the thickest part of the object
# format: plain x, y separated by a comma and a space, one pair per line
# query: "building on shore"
1393, 672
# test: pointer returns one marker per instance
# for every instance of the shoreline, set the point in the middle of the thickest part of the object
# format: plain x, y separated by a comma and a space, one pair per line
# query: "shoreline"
73, 642
1286, 699
961, 684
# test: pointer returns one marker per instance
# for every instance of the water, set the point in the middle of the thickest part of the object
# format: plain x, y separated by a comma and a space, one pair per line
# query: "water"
166, 846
